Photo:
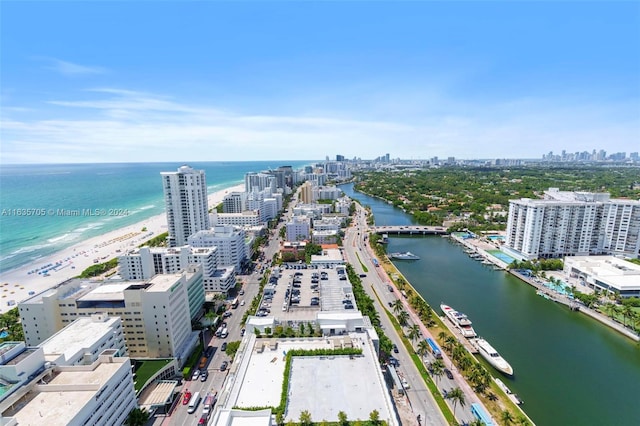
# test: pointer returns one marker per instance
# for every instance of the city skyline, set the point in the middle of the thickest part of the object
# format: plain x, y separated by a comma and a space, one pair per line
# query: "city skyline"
142, 82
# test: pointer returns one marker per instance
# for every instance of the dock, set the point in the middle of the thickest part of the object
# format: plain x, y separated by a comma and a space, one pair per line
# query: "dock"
458, 334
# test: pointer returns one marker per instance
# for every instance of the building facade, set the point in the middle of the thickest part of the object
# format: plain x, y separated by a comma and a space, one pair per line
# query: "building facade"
186, 203
156, 313
573, 224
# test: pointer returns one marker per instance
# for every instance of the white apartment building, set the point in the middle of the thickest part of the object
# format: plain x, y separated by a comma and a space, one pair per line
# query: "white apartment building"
229, 241
246, 218
187, 207
312, 210
572, 224
155, 313
298, 228
328, 223
145, 262
259, 182
235, 202
327, 193
100, 393
324, 237
82, 341
342, 205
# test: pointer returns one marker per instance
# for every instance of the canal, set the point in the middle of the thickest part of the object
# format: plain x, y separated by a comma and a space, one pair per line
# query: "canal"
569, 369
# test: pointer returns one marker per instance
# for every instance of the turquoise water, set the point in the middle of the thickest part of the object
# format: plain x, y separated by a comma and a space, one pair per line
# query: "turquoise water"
569, 369
496, 237
131, 188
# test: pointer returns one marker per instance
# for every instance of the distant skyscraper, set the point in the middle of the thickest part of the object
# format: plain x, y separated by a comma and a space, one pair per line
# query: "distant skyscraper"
185, 195
339, 157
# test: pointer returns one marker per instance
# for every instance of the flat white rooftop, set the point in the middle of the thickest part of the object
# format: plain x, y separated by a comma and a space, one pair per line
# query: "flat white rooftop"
60, 406
80, 334
618, 273
322, 385
163, 282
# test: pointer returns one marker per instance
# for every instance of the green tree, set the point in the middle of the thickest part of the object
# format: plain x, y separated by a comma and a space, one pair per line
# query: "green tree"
137, 417
414, 333
403, 318
437, 369
423, 348
397, 306
374, 417
305, 418
456, 396
506, 417
342, 418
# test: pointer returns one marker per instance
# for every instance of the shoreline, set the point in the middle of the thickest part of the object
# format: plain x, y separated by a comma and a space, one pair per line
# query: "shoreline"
38, 276
553, 296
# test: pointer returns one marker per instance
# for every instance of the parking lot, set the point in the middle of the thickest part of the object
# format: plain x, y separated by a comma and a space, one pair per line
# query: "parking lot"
296, 292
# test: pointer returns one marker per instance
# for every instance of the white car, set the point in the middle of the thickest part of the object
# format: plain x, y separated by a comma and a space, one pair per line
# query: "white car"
242, 303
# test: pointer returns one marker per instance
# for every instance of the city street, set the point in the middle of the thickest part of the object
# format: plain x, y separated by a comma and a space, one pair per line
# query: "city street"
420, 399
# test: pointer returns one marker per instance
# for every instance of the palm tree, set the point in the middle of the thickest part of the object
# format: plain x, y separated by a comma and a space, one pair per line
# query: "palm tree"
374, 417
456, 396
458, 352
414, 332
522, 420
137, 417
403, 318
449, 343
442, 336
507, 417
437, 368
397, 306
423, 348
464, 362
627, 312
305, 418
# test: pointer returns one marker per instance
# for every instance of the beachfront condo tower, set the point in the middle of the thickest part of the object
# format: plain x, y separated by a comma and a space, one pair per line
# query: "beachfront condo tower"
185, 195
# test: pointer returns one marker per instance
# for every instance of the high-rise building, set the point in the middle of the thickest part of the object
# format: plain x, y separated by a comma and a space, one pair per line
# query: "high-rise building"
236, 202
573, 224
187, 207
306, 193
156, 314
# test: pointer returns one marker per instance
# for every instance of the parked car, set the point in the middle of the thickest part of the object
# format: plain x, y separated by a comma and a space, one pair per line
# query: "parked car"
227, 314
186, 398
224, 366
204, 376
224, 346
195, 375
395, 348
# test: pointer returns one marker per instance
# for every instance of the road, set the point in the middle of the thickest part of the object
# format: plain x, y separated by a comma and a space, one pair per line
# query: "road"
420, 399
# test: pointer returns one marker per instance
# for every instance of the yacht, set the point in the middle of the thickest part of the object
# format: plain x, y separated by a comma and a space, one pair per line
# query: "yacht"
460, 320
493, 357
405, 255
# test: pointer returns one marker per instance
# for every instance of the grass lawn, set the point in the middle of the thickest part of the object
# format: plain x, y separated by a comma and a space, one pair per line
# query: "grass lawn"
146, 369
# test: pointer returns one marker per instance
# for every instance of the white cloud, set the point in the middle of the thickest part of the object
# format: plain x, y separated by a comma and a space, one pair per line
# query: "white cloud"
71, 69
126, 125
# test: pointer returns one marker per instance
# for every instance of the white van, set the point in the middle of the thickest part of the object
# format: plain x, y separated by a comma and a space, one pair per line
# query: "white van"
194, 402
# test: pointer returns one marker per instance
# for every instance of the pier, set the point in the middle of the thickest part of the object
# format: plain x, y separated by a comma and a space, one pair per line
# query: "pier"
410, 230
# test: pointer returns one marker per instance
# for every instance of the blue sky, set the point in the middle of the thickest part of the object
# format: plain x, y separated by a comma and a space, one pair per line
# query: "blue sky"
166, 81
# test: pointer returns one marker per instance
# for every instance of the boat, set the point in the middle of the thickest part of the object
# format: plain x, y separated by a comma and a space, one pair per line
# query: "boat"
405, 255
460, 320
493, 357
512, 396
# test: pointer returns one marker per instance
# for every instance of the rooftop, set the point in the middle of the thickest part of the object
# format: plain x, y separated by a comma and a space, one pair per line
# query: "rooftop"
78, 335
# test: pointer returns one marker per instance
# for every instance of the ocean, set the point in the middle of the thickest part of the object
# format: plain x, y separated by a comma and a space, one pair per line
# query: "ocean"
45, 208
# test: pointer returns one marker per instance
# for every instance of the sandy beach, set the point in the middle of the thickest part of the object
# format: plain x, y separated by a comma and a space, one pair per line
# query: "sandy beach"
21, 283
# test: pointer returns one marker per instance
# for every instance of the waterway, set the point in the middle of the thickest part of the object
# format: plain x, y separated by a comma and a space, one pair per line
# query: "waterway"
569, 369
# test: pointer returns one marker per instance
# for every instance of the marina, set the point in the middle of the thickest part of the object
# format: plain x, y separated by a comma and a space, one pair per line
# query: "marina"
506, 308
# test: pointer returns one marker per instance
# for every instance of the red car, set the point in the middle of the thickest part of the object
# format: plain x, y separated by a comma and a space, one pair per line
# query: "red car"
187, 397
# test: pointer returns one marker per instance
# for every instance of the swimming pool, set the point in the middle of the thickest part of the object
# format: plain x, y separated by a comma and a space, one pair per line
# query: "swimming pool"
496, 237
